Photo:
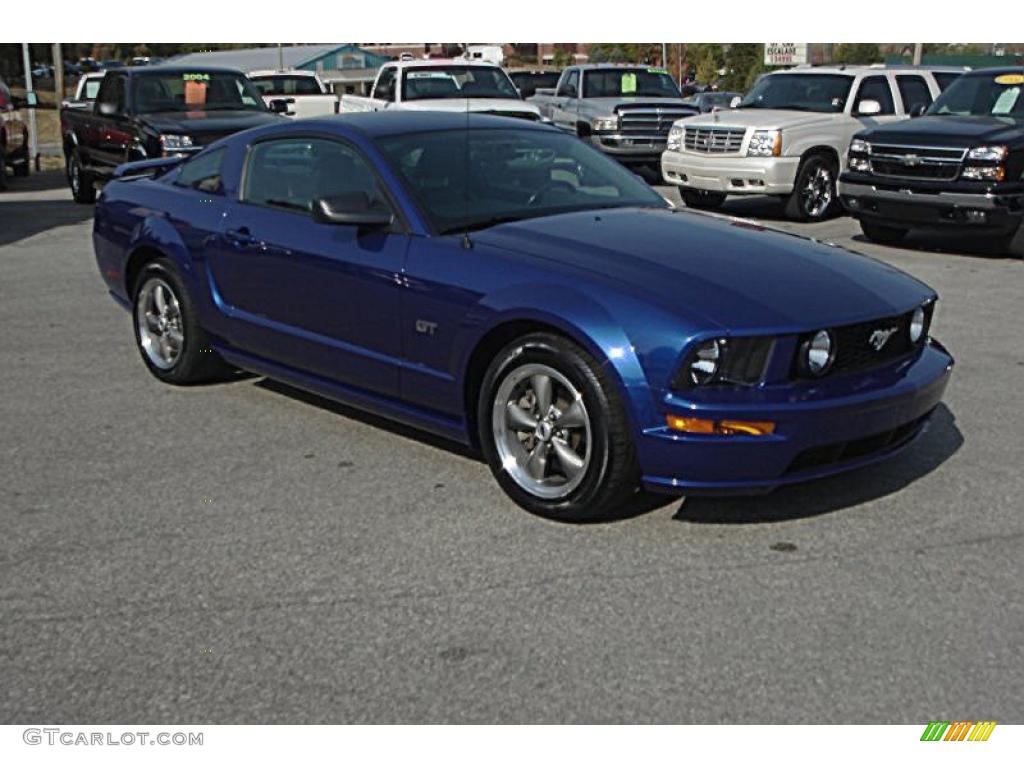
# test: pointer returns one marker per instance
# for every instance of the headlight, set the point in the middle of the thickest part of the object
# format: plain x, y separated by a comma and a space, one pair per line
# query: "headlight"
860, 164
984, 173
605, 123
992, 154
704, 362
860, 146
917, 321
817, 353
765, 144
675, 138
173, 143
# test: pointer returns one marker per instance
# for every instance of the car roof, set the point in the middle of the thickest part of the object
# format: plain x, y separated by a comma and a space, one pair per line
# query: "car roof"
414, 63
172, 69
616, 65
863, 69
282, 73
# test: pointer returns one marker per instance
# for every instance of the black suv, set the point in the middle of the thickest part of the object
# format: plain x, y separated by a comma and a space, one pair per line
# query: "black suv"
960, 165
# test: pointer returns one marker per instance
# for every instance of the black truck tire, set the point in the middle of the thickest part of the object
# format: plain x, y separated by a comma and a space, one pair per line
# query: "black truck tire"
26, 156
882, 233
79, 180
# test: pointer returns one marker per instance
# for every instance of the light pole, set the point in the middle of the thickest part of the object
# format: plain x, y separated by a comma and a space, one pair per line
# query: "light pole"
33, 139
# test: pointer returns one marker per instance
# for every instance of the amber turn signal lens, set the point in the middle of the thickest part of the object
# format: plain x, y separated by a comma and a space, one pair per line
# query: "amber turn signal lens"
725, 427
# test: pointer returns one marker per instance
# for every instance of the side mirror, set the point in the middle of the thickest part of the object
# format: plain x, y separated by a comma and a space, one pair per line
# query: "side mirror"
735, 102
869, 107
279, 106
352, 209
917, 110
568, 91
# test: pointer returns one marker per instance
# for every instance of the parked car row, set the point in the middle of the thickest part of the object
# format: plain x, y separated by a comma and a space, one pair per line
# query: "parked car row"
14, 144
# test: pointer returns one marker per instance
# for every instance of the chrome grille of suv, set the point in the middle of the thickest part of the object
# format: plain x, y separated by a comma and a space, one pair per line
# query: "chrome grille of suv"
904, 162
713, 140
649, 120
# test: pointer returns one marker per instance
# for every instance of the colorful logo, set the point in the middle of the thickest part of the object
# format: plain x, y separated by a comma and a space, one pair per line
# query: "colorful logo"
959, 730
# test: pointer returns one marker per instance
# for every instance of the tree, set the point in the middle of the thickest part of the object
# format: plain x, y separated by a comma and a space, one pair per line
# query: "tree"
743, 62
857, 53
707, 69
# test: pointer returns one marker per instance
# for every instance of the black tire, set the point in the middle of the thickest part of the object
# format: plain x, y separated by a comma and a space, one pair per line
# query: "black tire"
23, 167
882, 233
79, 180
196, 362
702, 199
3, 165
1010, 243
611, 474
809, 200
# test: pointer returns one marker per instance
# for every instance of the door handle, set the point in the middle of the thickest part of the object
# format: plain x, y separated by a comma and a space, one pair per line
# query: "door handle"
241, 237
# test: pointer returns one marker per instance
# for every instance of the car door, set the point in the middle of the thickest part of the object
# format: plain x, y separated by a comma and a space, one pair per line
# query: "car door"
111, 133
384, 89
320, 298
566, 103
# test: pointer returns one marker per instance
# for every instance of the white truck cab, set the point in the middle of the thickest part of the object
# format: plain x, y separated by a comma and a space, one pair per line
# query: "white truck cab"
454, 85
302, 91
789, 135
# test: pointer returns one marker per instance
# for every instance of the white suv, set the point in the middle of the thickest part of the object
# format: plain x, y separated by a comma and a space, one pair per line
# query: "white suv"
789, 135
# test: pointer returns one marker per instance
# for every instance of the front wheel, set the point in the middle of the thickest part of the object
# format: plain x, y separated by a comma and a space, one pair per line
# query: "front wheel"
702, 199
3, 166
26, 155
881, 233
554, 431
814, 195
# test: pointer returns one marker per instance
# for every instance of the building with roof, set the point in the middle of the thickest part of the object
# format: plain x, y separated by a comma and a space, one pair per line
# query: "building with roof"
344, 67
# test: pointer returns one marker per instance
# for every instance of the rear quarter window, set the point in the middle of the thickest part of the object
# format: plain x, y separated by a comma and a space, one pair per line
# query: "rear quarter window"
203, 173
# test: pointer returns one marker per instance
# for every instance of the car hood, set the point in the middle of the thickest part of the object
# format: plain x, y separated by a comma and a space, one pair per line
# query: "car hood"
472, 105
735, 273
200, 122
764, 118
945, 130
610, 103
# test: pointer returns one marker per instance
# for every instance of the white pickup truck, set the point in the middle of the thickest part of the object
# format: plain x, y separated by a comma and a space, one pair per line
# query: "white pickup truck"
302, 91
445, 86
789, 135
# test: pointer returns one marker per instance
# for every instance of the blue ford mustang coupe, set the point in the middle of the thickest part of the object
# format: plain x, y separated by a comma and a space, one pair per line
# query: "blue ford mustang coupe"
501, 283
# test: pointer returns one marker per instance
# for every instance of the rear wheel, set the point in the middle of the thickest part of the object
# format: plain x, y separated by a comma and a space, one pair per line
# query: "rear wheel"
167, 332
26, 156
80, 180
702, 199
554, 431
882, 233
814, 195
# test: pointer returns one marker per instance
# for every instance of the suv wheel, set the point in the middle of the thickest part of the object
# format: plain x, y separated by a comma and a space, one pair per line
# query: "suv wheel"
26, 156
80, 180
702, 199
554, 431
3, 165
814, 195
881, 233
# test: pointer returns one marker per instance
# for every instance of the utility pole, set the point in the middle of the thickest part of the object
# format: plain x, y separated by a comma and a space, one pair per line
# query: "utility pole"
918, 53
280, 57
664, 55
58, 73
33, 136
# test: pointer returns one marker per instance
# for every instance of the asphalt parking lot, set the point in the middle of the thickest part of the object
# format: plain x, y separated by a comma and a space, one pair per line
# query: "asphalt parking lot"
248, 553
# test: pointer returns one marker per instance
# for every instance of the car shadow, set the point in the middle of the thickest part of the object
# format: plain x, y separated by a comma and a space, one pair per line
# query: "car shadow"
953, 243
941, 439
22, 217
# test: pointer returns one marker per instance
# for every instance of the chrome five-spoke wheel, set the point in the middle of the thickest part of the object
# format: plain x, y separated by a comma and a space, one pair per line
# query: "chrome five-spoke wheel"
159, 321
818, 192
541, 430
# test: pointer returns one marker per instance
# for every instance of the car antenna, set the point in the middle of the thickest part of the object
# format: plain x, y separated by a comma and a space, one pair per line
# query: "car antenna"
467, 244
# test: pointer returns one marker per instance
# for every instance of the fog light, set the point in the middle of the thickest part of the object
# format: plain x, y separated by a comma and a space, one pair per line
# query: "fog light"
853, 203
724, 427
976, 217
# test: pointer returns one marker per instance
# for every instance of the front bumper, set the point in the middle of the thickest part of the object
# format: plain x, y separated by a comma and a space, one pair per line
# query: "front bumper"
821, 430
734, 175
931, 209
627, 147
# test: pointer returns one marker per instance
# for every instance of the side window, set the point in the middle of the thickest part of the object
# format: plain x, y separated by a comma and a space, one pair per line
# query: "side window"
945, 79
202, 173
111, 95
292, 173
877, 88
914, 92
571, 86
385, 88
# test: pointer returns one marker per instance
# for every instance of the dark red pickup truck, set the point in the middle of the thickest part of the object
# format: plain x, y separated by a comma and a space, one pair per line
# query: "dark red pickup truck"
143, 113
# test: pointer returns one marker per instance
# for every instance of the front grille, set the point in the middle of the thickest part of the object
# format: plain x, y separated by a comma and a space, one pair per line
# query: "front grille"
854, 351
837, 453
643, 120
718, 141
903, 162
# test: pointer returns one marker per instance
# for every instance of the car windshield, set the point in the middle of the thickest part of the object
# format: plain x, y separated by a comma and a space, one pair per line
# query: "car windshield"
195, 91
802, 92
529, 82
457, 82
286, 85
509, 174
617, 81
982, 94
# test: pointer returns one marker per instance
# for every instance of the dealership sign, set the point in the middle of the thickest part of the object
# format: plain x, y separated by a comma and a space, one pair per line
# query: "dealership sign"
785, 54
